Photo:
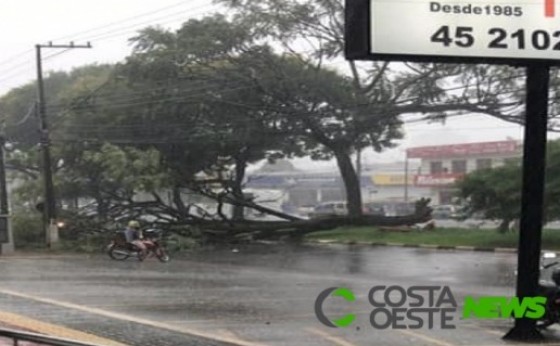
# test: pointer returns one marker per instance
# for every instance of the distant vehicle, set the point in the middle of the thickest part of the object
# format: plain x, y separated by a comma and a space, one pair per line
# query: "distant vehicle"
399, 208
374, 208
446, 211
341, 209
305, 210
329, 209
405, 208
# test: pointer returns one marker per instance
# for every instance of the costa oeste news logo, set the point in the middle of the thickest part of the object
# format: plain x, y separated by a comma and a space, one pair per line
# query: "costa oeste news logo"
417, 307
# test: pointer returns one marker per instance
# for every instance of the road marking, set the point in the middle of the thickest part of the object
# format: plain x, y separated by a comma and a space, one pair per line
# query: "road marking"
334, 339
487, 330
35, 326
433, 341
130, 318
493, 332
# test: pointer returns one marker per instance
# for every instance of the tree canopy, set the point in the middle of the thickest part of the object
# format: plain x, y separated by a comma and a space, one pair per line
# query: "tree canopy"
190, 109
496, 193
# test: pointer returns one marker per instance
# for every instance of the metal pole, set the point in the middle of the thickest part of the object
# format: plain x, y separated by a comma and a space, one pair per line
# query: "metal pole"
49, 212
49, 204
406, 177
531, 222
4, 208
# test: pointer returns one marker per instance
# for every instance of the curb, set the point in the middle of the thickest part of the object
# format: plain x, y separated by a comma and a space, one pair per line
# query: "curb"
422, 246
20, 322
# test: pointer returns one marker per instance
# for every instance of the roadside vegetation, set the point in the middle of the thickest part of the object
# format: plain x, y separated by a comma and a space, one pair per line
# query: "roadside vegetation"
168, 133
481, 238
495, 193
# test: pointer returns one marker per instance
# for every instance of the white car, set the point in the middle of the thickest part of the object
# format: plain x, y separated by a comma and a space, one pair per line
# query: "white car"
329, 209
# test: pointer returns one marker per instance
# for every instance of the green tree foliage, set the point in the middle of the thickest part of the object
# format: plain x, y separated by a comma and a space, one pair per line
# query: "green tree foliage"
496, 193
191, 108
384, 94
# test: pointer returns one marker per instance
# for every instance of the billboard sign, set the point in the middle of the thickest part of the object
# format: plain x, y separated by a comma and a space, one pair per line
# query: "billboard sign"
434, 180
479, 30
467, 149
391, 179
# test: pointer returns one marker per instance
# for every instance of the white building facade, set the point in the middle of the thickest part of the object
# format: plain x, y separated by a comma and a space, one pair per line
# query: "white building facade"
442, 166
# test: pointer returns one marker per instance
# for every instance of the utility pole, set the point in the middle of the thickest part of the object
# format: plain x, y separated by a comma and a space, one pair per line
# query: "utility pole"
532, 196
49, 210
4, 209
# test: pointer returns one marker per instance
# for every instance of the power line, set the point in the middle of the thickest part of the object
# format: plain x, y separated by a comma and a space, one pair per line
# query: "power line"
16, 72
186, 131
133, 28
207, 89
120, 129
278, 111
25, 117
104, 35
14, 58
78, 35
130, 97
56, 54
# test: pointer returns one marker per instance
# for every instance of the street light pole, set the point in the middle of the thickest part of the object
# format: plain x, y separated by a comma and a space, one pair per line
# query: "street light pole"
49, 211
532, 197
4, 208
406, 177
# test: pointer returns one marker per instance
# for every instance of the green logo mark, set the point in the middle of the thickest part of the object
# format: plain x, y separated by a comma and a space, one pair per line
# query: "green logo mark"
342, 322
503, 307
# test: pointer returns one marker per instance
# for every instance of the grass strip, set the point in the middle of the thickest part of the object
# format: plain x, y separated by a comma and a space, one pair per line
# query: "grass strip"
442, 237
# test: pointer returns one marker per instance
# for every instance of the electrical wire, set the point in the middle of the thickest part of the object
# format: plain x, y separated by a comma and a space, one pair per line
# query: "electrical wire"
133, 28
101, 36
16, 57
142, 98
50, 56
79, 35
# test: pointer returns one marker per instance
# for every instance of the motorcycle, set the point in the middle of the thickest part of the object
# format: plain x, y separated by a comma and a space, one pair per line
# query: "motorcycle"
119, 249
551, 290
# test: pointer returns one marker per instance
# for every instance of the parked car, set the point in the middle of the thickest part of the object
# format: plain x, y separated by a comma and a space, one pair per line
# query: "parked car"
305, 210
446, 211
341, 208
329, 209
399, 208
374, 208
405, 208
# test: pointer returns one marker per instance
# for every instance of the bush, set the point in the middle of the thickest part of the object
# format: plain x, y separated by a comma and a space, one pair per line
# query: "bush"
28, 230
90, 243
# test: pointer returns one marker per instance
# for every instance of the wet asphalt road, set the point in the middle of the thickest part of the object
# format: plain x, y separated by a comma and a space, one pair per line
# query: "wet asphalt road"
253, 295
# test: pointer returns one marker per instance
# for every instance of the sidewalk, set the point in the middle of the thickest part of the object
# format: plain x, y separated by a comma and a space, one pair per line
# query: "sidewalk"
6, 341
21, 323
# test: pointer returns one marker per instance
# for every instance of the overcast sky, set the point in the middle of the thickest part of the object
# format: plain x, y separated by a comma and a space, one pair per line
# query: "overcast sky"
108, 25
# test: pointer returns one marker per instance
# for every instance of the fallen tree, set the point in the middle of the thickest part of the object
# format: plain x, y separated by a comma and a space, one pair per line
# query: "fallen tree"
219, 227
298, 228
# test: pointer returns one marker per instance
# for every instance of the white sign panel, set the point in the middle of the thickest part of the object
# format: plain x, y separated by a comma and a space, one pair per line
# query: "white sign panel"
518, 29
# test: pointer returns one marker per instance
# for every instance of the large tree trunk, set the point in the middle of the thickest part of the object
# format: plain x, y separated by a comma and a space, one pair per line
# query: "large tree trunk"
237, 188
269, 229
179, 203
102, 203
504, 225
351, 183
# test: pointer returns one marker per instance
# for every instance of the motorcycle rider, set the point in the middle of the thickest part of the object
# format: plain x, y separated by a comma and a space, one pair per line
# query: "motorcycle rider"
133, 235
